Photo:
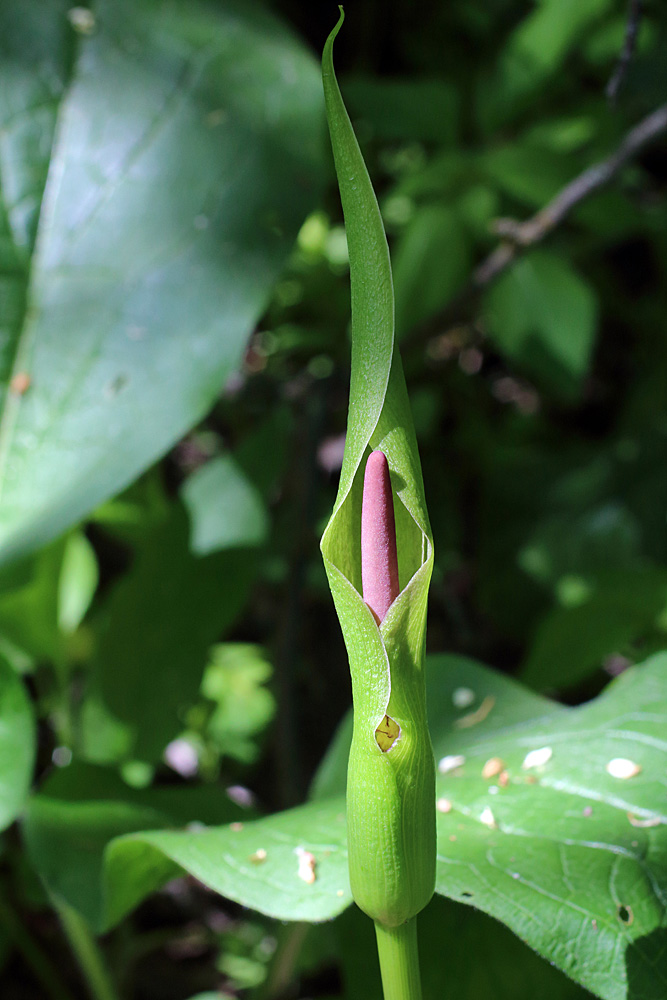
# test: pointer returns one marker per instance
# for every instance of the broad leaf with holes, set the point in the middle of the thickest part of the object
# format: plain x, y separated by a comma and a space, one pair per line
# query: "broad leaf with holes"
157, 160
570, 857
557, 845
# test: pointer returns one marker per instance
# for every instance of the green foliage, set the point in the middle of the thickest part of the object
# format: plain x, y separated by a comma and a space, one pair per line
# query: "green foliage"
543, 316
559, 850
16, 745
142, 163
174, 366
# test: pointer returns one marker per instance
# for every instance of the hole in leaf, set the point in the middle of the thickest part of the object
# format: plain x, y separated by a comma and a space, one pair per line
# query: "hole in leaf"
625, 914
387, 733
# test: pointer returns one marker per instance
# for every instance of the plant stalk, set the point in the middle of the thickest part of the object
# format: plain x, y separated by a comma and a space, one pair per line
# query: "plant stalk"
87, 953
35, 958
399, 960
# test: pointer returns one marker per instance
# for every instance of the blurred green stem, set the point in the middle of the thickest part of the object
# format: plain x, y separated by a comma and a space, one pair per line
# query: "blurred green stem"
37, 961
87, 953
283, 964
399, 960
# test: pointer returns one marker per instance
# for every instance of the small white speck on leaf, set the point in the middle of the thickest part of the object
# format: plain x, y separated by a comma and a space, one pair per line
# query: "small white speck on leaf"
587, 811
622, 767
451, 762
340, 892
493, 767
488, 819
443, 806
258, 857
536, 758
462, 697
307, 863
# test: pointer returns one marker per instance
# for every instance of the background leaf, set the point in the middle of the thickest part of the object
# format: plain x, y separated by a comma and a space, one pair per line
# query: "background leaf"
158, 627
543, 317
17, 745
225, 508
133, 305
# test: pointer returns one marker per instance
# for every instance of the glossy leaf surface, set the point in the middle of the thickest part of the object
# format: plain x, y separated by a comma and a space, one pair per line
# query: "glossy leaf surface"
156, 167
571, 858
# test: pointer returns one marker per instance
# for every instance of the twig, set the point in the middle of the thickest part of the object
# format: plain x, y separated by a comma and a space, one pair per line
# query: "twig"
631, 31
518, 235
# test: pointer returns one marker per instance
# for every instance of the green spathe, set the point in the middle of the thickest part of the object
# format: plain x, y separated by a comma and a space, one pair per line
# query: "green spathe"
390, 795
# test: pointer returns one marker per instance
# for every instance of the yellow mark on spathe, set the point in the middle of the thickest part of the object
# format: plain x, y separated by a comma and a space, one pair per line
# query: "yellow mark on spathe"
387, 733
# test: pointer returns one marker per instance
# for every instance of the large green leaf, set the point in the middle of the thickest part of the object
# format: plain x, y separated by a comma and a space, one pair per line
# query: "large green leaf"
71, 844
17, 745
263, 864
156, 167
80, 808
451, 941
570, 858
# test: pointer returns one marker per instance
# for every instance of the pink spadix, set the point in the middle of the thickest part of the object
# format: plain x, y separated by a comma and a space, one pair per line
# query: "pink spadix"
379, 561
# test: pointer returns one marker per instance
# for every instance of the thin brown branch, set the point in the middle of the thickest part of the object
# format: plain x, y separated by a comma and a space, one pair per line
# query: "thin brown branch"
519, 235
629, 42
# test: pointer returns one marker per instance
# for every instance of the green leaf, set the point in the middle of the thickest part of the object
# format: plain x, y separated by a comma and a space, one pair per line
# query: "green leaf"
616, 611
450, 939
155, 173
572, 859
431, 262
569, 857
79, 577
160, 622
405, 109
17, 745
226, 859
235, 681
543, 317
81, 808
29, 608
547, 34
65, 842
225, 509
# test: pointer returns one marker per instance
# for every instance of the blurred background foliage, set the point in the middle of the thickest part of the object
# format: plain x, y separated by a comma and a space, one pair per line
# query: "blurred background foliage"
181, 636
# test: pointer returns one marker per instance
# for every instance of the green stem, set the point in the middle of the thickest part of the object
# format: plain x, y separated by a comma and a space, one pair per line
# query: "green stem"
283, 964
39, 963
399, 960
87, 953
